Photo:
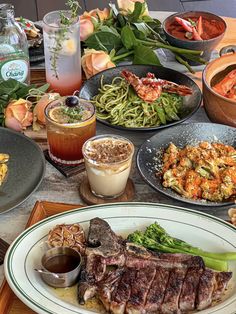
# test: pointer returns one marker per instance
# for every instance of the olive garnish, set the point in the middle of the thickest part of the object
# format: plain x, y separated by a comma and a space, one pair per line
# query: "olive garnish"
72, 101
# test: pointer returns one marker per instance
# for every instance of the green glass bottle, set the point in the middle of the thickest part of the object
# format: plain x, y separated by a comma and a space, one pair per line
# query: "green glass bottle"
14, 53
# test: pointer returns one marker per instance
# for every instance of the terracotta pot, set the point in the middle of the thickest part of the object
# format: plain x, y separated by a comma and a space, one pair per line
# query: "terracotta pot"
219, 108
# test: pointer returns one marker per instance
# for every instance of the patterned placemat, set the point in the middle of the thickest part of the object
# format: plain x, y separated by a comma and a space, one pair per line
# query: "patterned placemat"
3, 249
66, 170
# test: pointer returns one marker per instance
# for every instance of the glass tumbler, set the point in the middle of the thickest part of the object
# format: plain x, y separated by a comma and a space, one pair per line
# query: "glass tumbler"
108, 160
65, 137
62, 52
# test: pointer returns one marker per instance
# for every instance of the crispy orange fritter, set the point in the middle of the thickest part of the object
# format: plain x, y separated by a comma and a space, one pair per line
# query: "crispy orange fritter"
206, 171
3, 166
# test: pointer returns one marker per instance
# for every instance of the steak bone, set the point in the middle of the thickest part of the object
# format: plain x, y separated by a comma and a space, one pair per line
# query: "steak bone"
102, 239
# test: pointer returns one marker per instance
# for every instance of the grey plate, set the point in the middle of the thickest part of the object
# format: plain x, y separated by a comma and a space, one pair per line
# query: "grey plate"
190, 103
149, 157
167, 59
26, 168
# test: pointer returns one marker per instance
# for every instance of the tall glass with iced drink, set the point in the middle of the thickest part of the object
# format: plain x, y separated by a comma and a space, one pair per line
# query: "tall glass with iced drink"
62, 52
108, 160
69, 123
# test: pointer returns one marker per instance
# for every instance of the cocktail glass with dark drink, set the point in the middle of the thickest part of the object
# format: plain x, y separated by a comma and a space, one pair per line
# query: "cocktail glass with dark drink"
70, 122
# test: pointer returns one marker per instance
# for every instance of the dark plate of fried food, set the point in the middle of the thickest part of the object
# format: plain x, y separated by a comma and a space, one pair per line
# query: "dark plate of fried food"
192, 163
36, 47
24, 164
142, 97
34, 34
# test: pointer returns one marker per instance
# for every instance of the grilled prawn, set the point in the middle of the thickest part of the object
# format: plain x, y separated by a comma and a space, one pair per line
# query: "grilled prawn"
149, 88
227, 87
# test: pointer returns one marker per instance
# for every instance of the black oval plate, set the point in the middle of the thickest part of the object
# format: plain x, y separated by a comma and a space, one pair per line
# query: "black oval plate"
36, 51
26, 168
149, 157
191, 103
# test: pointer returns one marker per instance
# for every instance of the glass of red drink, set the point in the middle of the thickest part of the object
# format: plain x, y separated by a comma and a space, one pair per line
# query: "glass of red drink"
62, 52
68, 128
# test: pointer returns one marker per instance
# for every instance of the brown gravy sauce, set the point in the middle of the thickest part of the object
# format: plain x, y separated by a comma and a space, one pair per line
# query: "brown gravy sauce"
62, 263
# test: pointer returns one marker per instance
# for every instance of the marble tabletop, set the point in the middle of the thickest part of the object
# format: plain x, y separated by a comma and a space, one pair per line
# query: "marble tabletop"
55, 187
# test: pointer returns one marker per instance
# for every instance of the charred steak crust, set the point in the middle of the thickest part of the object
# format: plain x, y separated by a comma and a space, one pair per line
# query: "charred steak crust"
157, 290
221, 281
143, 281
108, 286
205, 289
122, 294
173, 289
189, 289
140, 289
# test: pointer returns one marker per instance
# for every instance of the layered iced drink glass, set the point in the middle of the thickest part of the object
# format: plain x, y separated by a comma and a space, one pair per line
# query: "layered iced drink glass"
68, 129
108, 160
62, 52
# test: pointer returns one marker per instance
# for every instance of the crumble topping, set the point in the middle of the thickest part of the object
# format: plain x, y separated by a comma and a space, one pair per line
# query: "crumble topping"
108, 150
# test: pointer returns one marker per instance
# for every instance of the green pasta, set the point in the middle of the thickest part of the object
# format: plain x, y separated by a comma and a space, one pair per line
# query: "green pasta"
120, 105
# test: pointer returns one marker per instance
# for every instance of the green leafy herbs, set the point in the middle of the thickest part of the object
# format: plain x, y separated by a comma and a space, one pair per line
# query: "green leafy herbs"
142, 30
193, 23
73, 7
59, 37
73, 114
135, 37
145, 55
104, 40
66, 20
13, 90
157, 239
139, 9
128, 38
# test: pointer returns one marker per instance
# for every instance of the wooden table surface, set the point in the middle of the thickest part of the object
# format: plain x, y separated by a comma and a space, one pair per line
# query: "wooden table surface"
55, 187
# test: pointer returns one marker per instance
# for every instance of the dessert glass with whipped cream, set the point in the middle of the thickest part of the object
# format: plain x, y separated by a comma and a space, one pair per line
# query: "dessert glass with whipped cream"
108, 160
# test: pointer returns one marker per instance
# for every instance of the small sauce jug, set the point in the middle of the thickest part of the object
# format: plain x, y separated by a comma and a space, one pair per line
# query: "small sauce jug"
61, 267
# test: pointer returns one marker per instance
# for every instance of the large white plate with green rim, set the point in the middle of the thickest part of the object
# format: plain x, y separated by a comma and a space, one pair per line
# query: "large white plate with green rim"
200, 229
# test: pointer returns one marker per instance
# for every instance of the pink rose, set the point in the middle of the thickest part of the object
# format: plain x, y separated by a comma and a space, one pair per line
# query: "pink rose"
18, 115
103, 14
41, 105
86, 27
89, 19
94, 61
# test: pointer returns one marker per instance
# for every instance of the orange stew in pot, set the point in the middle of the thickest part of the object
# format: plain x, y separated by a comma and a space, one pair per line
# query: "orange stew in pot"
227, 86
195, 28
